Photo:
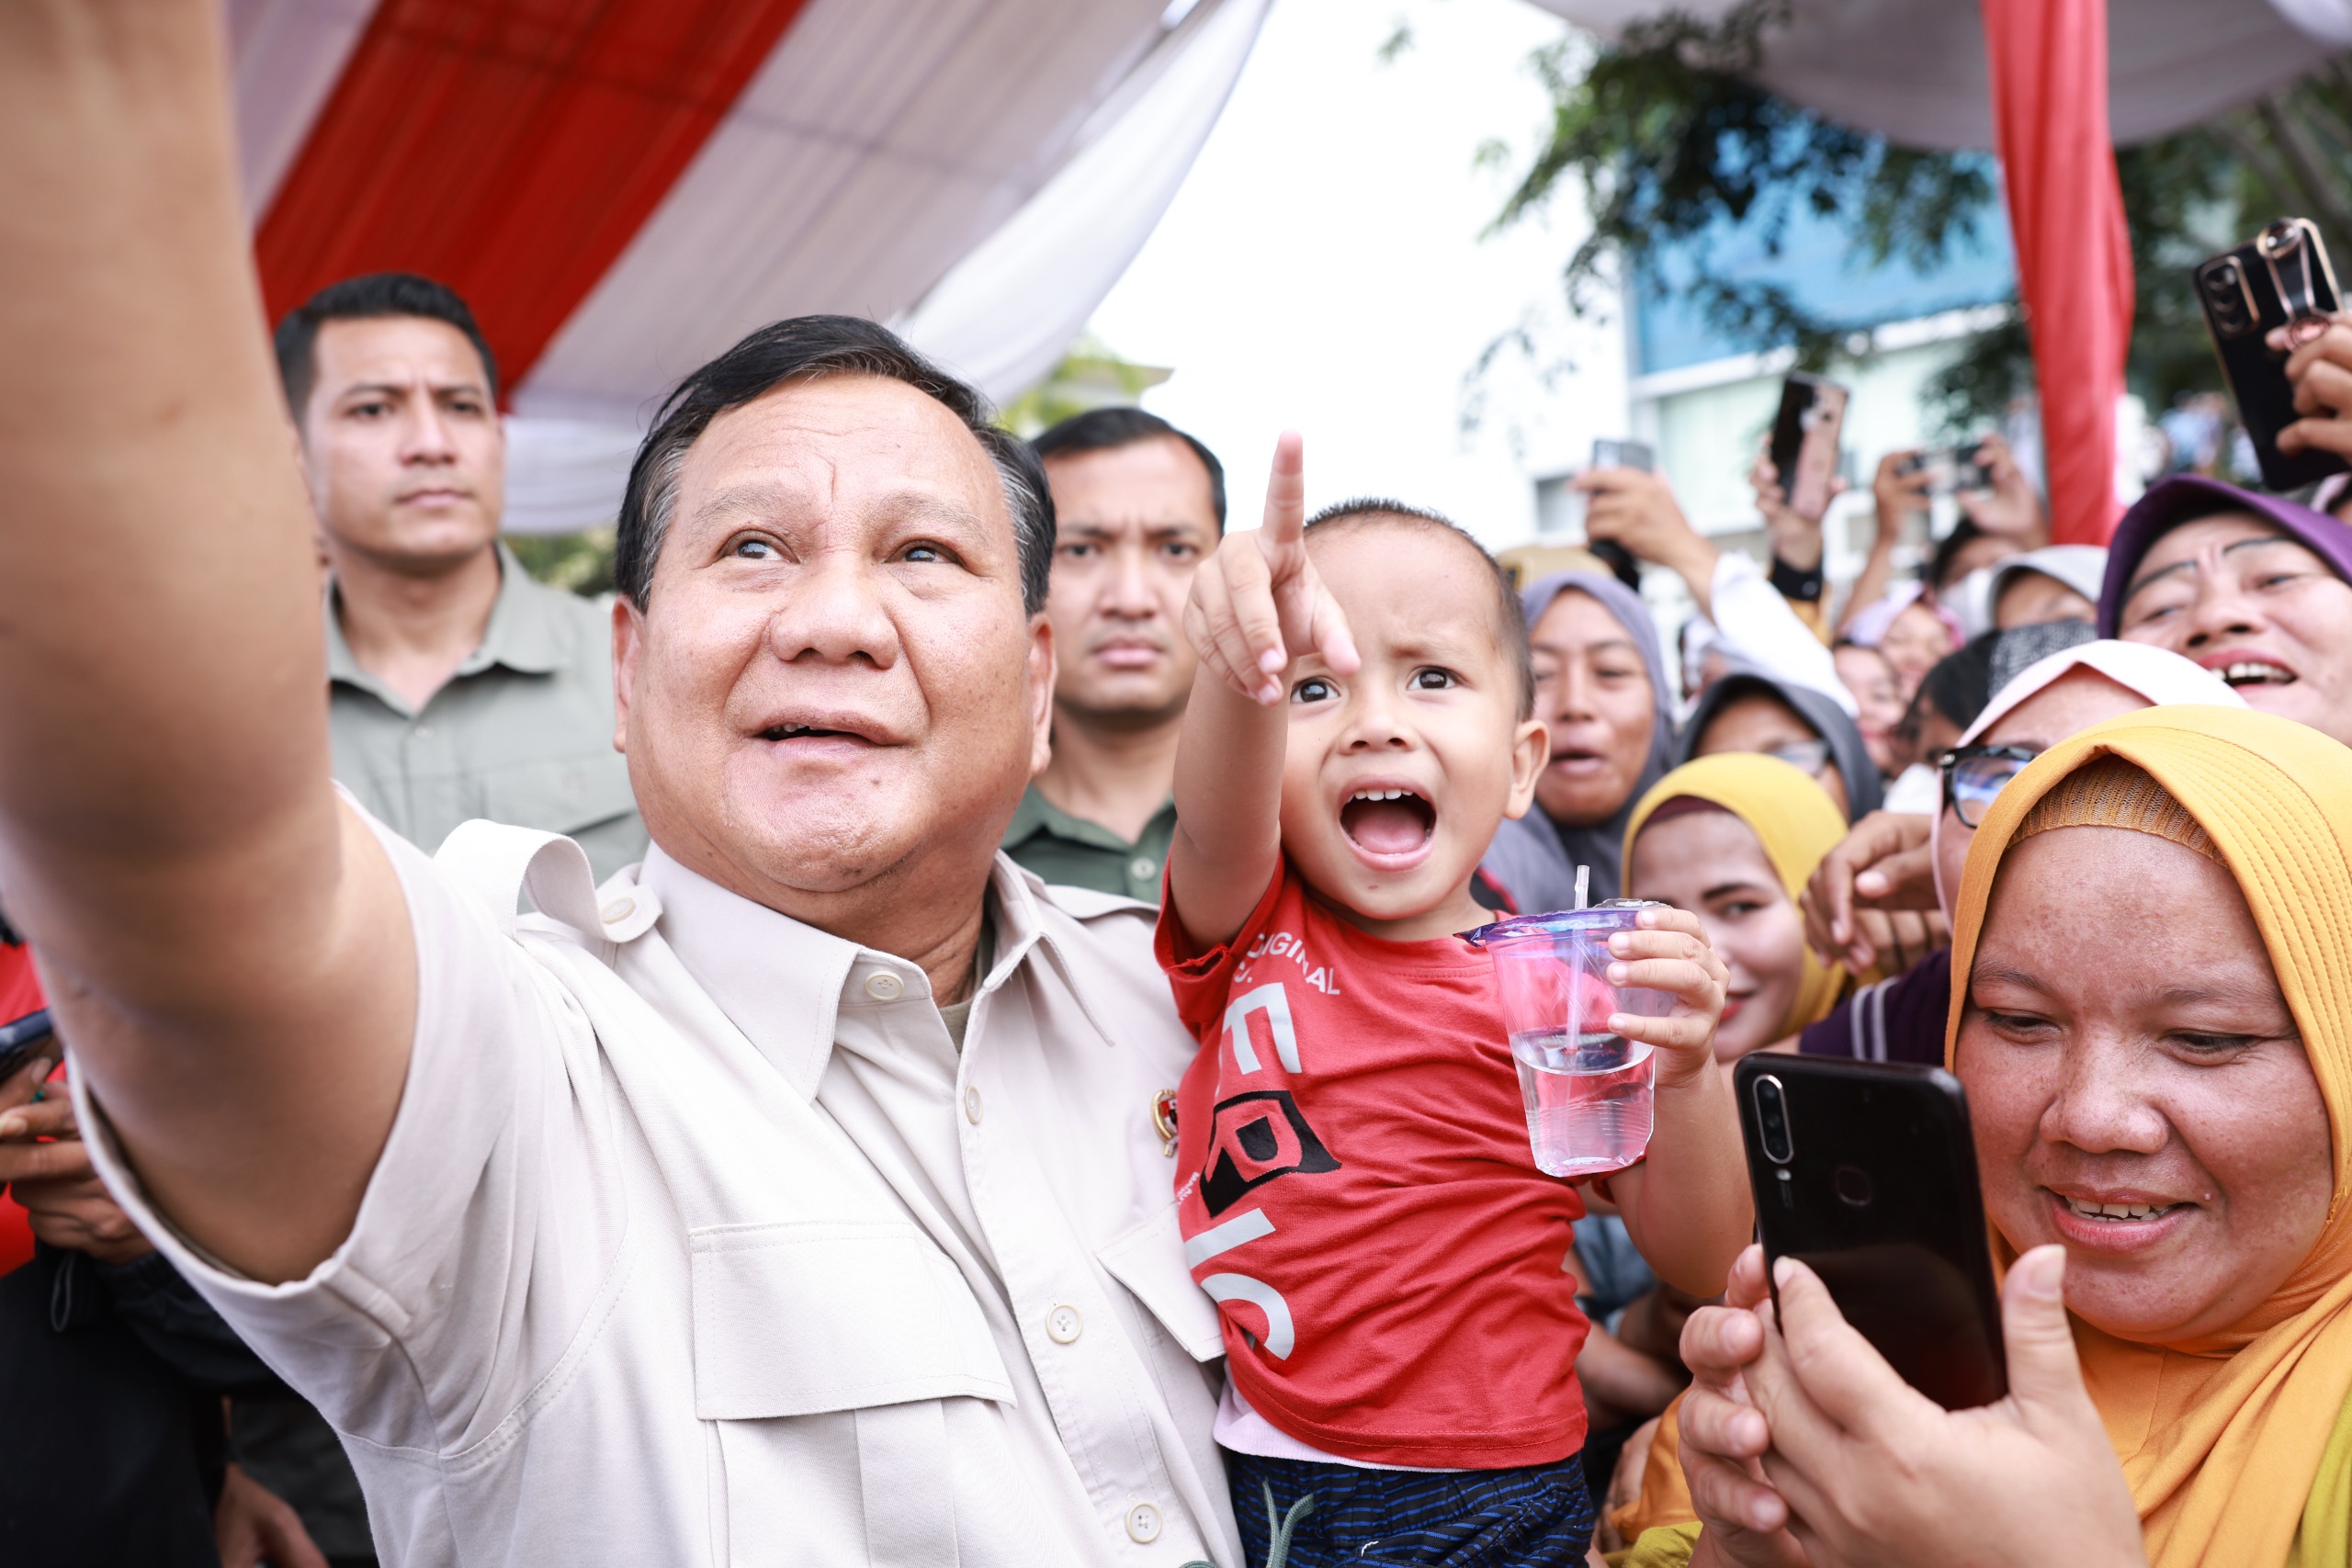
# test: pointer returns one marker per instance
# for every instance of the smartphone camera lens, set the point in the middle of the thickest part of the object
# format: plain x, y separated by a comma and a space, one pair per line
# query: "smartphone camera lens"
1772, 1119
2224, 288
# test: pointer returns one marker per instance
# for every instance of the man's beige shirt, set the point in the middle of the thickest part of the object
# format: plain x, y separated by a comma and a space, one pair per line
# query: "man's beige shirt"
522, 733
697, 1241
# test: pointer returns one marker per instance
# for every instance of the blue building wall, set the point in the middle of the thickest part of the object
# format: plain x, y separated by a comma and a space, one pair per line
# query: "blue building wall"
1814, 265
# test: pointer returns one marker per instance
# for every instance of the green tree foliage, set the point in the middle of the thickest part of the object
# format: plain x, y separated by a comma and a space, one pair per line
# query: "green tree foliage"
582, 563
1674, 148
1090, 375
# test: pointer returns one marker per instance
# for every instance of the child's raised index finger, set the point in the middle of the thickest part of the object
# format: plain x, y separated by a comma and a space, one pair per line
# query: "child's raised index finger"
1286, 491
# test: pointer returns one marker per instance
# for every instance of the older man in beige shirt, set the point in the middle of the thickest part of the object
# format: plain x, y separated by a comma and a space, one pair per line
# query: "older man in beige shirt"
673, 1221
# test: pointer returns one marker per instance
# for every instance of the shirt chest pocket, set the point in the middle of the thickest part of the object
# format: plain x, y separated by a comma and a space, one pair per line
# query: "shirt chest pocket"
562, 795
1148, 1259
807, 1316
823, 1351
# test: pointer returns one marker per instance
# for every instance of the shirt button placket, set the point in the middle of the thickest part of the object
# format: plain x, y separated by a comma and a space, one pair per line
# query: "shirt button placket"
1063, 1324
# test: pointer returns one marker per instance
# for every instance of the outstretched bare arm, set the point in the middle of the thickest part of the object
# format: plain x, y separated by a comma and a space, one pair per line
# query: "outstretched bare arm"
227, 945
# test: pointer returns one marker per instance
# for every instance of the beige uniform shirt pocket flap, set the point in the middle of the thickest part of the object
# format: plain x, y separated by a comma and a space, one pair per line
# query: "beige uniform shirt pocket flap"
1148, 1259
808, 1317
559, 795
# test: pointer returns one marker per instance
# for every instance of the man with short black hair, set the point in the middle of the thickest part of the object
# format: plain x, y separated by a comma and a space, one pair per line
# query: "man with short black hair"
1138, 504
794, 1195
460, 687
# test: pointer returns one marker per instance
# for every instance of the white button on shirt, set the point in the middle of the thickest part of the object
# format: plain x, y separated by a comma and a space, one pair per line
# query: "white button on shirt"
687, 1247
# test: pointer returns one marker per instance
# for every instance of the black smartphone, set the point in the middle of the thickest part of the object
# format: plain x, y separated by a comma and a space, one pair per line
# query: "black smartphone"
1805, 437
2278, 279
1865, 1173
29, 1036
1613, 453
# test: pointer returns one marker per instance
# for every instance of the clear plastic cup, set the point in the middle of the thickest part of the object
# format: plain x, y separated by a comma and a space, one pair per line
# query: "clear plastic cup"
1589, 1093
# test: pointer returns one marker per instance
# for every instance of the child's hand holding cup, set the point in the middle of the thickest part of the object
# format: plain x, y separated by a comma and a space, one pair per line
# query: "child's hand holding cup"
1668, 952
1603, 1006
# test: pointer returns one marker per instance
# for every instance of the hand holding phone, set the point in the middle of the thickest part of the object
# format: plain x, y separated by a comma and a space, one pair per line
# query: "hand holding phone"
2320, 371
23, 1038
1866, 1173
2272, 296
1806, 442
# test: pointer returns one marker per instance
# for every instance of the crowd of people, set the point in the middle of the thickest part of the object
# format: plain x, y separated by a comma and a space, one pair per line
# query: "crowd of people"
934, 1026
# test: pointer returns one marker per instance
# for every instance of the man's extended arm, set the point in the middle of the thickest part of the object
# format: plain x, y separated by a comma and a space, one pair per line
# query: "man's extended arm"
227, 946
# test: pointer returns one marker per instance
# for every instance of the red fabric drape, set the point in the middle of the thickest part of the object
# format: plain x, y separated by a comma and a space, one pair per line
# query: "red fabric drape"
2049, 62
509, 147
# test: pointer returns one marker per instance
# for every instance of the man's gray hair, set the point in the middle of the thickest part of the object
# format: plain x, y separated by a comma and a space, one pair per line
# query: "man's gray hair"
803, 349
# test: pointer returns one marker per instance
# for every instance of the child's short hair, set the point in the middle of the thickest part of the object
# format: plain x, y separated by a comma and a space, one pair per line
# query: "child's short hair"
1510, 619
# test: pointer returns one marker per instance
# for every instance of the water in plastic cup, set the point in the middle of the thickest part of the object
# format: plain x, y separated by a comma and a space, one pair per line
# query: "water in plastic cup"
1588, 1099
1588, 1090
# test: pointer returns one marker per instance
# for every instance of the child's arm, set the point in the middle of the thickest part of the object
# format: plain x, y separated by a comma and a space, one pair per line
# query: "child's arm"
1253, 602
1687, 1205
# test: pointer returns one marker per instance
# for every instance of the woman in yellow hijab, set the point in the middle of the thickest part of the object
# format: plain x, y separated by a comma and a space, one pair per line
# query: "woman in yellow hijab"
1732, 838
2155, 1037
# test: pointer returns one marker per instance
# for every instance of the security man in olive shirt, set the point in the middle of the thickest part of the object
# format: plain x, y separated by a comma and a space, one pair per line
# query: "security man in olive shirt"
460, 686
1138, 505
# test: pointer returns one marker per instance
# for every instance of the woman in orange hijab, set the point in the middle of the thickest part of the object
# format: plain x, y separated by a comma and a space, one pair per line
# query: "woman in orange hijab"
2156, 1035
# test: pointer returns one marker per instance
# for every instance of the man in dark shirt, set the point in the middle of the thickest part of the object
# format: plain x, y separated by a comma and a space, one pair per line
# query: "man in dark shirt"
1138, 505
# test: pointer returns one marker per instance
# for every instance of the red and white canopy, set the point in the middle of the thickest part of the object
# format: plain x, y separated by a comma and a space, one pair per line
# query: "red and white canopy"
621, 188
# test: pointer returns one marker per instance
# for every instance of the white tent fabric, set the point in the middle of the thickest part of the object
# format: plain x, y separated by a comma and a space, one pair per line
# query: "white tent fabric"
879, 145
288, 55
1913, 70
1003, 316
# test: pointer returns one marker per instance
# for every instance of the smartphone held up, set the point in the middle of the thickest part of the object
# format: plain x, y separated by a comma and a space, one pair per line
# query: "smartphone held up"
1622, 454
1807, 436
1866, 1173
2280, 278
1951, 471
23, 1038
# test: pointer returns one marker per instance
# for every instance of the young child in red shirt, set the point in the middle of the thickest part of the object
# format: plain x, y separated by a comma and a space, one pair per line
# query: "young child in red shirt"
1356, 1187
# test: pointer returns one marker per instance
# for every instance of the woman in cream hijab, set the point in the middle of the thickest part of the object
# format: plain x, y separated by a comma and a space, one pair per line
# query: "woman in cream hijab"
2155, 922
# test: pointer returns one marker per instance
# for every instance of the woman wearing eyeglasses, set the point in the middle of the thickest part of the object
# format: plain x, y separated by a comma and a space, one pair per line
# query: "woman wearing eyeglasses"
1902, 1020
1747, 711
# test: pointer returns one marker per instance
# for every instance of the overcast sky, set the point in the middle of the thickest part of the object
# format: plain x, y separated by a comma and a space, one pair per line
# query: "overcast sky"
1322, 268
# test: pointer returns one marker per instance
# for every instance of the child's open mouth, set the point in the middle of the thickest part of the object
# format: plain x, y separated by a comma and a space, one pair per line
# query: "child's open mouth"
1388, 824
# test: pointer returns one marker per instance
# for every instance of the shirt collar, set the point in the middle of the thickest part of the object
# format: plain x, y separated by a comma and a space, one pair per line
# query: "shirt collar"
783, 983
524, 632
1037, 814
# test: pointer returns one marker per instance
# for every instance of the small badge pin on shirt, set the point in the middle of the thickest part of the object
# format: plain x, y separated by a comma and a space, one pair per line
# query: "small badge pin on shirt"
1163, 1121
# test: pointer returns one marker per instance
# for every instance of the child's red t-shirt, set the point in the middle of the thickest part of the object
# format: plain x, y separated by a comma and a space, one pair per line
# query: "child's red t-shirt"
19, 994
1358, 1192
